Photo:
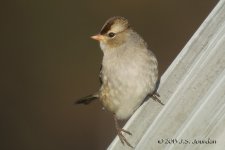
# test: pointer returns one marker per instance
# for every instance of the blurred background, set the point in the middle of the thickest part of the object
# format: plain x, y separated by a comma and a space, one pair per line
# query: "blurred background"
48, 61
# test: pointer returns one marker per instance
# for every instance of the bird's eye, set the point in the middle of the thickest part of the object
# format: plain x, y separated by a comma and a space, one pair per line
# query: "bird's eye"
111, 34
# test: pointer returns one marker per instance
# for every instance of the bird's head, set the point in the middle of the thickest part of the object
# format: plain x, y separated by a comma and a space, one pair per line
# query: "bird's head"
114, 32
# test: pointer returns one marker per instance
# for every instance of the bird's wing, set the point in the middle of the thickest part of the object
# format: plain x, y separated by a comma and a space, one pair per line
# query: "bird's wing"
100, 75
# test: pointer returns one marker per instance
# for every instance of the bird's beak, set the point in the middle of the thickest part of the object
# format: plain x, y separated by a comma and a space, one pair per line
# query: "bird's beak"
98, 37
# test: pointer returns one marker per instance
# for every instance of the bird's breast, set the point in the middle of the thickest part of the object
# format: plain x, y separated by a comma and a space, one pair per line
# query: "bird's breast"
126, 82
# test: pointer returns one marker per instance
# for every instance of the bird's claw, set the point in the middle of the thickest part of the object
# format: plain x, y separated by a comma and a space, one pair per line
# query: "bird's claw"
125, 131
155, 97
122, 137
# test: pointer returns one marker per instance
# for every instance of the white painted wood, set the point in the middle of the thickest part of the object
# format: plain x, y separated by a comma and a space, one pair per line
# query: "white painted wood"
193, 90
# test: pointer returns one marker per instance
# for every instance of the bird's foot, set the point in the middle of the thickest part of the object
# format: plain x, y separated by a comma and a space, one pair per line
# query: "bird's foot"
119, 133
155, 97
122, 137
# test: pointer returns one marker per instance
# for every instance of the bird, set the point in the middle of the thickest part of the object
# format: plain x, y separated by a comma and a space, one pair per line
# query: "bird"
129, 72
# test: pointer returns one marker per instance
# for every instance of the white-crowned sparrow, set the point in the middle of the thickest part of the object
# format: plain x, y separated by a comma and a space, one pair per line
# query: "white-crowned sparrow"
129, 71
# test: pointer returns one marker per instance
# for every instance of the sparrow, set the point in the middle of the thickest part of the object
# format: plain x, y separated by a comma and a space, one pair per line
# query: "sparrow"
129, 72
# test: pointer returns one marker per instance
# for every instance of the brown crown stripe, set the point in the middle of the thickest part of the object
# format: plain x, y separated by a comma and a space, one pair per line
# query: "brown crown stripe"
110, 22
107, 26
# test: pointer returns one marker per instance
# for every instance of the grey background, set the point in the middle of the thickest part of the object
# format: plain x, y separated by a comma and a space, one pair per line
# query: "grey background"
48, 61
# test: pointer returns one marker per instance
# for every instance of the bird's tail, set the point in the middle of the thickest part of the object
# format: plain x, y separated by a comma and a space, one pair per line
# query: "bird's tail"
88, 99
